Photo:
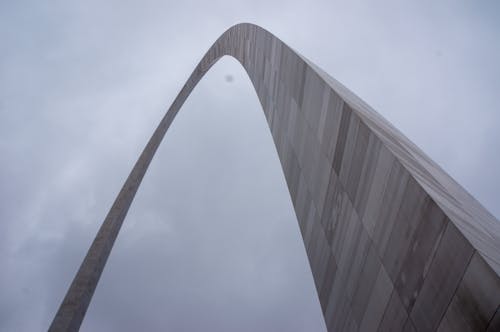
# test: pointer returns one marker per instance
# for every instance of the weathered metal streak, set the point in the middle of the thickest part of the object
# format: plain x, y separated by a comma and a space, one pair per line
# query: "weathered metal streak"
393, 242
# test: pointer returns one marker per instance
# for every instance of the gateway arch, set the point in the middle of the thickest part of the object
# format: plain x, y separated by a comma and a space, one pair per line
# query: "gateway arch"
393, 242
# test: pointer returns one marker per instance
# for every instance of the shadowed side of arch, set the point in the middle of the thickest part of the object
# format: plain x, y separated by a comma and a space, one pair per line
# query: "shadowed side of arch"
393, 242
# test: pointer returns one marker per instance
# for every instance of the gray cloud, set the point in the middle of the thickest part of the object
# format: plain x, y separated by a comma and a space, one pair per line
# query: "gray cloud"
211, 241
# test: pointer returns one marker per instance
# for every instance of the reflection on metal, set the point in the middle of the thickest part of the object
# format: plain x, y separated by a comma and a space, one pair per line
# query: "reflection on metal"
393, 242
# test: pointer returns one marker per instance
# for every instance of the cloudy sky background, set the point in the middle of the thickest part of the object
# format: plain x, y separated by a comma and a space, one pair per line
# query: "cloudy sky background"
211, 242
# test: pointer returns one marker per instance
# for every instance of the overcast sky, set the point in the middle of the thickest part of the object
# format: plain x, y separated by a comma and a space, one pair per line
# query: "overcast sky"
211, 242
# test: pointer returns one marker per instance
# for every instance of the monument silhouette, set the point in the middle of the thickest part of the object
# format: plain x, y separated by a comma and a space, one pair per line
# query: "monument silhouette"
394, 243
